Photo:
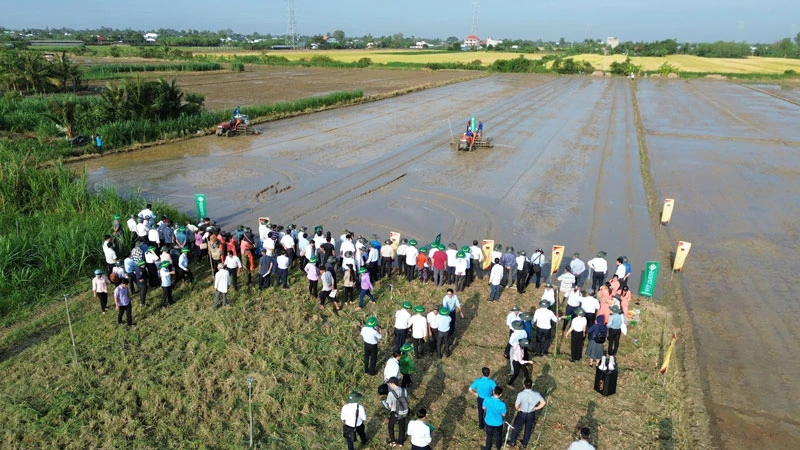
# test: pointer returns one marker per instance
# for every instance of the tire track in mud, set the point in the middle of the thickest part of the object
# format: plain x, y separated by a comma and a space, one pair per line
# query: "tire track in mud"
771, 94
722, 109
707, 137
490, 218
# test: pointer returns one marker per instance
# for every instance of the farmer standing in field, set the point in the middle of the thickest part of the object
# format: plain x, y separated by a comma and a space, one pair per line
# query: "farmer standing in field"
371, 334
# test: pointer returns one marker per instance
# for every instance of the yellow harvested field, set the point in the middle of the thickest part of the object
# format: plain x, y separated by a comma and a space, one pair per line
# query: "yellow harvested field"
686, 63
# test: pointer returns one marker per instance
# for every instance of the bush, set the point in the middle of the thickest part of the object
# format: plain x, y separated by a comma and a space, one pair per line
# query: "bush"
237, 67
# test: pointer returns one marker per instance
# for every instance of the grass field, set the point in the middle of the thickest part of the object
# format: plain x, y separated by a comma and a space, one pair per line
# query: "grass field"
686, 63
179, 379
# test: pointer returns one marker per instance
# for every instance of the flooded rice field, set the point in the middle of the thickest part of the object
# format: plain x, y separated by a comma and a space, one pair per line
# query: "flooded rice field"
564, 170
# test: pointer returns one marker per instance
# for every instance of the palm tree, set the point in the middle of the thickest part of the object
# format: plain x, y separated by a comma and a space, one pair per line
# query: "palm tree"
65, 71
65, 113
36, 72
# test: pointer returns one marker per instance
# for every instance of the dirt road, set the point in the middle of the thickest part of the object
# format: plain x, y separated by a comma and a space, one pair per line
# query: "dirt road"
564, 170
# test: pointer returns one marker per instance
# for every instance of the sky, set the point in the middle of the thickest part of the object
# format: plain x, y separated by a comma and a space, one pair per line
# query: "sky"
645, 20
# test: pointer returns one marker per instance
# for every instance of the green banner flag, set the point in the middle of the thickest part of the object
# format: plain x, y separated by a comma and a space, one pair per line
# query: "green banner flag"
200, 205
649, 278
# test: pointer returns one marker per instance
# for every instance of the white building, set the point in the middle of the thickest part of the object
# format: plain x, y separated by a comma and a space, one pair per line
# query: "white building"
150, 37
493, 42
471, 41
612, 42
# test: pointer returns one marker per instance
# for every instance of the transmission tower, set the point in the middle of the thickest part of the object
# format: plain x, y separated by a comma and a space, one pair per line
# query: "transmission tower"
475, 7
291, 27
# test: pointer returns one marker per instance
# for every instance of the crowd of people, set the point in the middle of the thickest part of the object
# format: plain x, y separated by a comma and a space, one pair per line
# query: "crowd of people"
160, 253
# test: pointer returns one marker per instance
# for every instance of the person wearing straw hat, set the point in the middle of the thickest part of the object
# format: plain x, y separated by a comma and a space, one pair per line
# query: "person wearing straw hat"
402, 318
518, 360
577, 332
166, 273
353, 417
419, 330
371, 334
544, 319
599, 267
366, 288
100, 284
443, 326
527, 403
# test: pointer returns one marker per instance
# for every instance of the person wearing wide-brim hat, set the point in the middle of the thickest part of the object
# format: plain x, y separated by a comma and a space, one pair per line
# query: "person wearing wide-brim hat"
366, 287
166, 273
577, 333
387, 258
371, 334
402, 319
549, 294
443, 325
599, 267
518, 361
353, 418
407, 366
544, 319
615, 323
419, 330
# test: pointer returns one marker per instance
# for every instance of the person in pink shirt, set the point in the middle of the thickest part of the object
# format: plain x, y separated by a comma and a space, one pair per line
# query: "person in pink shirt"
366, 288
614, 285
625, 299
100, 289
312, 273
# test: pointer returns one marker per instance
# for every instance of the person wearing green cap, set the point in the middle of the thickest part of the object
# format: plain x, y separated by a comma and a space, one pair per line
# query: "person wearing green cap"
402, 318
371, 334
460, 270
577, 332
443, 321
423, 265
140, 278
407, 366
411, 260
165, 273
353, 417
366, 288
100, 289
183, 265
419, 330
439, 263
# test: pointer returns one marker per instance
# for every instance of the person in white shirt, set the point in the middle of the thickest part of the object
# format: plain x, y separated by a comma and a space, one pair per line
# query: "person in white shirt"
549, 294
460, 271
495, 278
233, 264
402, 317
450, 274
577, 331
283, 270
371, 334
420, 432
221, 282
392, 367
109, 254
419, 330
147, 212
411, 260
590, 305
476, 260
599, 267
153, 237
347, 245
353, 416
302, 245
401, 255
585, 433
288, 246
544, 319
132, 223
432, 327
517, 332
537, 265
443, 332
453, 304
573, 301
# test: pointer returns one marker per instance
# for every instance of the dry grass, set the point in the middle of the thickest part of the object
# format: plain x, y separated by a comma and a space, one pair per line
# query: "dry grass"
689, 63
179, 379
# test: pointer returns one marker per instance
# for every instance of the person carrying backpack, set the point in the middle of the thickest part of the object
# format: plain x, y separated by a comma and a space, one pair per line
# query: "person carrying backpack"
397, 404
597, 339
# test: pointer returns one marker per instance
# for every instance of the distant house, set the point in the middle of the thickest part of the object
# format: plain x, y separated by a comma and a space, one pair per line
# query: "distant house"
420, 44
471, 41
493, 42
612, 42
150, 37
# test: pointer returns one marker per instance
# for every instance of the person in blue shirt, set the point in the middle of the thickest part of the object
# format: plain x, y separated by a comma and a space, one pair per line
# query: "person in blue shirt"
480, 128
482, 388
495, 410
614, 329
99, 143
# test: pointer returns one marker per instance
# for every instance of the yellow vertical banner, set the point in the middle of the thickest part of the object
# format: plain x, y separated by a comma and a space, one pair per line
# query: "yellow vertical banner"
666, 213
558, 253
680, 255
395, 238
668, 355
487, 245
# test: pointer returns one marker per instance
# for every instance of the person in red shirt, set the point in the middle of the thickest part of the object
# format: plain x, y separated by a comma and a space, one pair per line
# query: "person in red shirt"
439, 267
423, 264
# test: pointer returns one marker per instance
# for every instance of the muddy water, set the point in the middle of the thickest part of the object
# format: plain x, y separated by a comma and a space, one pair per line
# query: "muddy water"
729, 155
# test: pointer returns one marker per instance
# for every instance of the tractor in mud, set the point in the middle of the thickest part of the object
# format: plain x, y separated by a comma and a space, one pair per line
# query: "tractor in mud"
472, 138
238, 125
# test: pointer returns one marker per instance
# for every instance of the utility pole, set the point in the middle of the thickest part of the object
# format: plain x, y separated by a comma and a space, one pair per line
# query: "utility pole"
291, 27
